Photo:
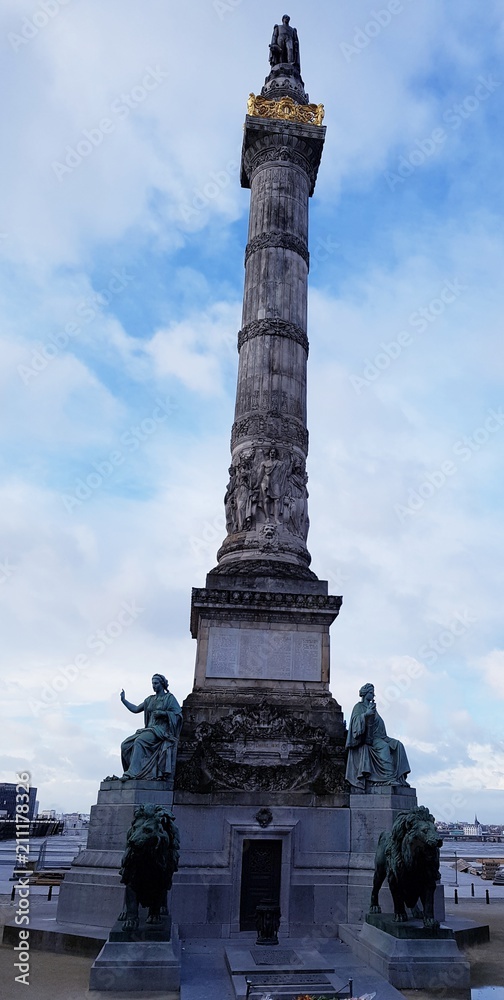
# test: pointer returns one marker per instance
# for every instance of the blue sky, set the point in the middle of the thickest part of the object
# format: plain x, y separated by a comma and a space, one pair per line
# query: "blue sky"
122, 232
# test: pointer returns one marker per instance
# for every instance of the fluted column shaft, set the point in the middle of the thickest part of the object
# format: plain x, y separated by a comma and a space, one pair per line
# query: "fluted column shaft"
266, 501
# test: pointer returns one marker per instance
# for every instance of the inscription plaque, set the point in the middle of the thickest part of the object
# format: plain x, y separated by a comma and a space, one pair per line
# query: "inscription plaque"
264, 654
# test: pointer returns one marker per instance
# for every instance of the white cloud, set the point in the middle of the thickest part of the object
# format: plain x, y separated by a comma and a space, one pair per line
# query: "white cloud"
150, 193
491, 668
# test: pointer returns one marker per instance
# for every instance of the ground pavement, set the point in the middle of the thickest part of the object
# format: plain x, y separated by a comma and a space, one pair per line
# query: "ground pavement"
64, 977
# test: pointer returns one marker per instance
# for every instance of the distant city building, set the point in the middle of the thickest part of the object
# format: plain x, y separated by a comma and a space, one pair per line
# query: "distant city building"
476, 829
8, 801
75, 823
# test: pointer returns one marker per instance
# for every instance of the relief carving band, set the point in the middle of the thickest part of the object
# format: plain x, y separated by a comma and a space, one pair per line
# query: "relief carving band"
286, 109
273, 327
266, 489
286, 241
261, 749
288, 429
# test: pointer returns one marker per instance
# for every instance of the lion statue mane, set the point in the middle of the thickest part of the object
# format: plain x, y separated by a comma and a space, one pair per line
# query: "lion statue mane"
409, 858
148, 864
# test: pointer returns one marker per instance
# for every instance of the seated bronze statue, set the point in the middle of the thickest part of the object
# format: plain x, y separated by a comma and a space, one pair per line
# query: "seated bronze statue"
149, 753
373, 757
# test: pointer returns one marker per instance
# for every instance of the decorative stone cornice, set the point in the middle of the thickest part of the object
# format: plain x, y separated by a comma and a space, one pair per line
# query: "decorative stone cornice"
271, 427
266, 600
279, 154
273, 328
274, 141
253, 605
287, 241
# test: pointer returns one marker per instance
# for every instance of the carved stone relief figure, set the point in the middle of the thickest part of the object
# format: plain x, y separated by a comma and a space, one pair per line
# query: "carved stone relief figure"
245, 494
230, 501
297, 500
267, 489
272, 482
240, 499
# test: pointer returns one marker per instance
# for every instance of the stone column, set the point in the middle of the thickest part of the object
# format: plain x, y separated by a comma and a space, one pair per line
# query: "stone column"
267, 499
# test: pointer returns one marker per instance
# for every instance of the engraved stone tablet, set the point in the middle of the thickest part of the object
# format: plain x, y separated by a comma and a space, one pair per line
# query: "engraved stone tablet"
264, 654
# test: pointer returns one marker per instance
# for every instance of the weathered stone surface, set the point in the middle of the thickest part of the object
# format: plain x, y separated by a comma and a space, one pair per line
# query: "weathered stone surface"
261, 654
430, 963
260, 748
314, 833
136, 966
91, 892
266, 499
411, 929
249, 605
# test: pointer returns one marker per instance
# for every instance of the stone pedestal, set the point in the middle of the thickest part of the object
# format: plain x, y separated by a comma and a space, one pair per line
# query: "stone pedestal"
91, 892
418, 962
370, 813
130, 966
261, 760
293, 964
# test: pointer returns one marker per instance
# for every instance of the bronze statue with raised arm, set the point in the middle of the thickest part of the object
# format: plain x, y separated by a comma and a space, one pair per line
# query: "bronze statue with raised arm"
149, 753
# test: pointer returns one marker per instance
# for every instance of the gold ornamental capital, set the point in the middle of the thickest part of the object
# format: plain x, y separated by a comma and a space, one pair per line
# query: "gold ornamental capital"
286, 110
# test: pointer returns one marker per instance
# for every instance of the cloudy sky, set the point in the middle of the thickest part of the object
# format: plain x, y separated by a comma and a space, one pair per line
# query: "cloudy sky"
122, 231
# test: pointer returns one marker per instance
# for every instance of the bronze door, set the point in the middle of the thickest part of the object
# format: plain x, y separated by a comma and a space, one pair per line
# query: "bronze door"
260, 878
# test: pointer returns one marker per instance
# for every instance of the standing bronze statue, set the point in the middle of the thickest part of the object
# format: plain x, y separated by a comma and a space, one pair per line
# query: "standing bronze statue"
284, 46
373, 757
149, 752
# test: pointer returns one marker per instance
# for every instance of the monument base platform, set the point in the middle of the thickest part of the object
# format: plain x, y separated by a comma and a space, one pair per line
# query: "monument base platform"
287, 964
136, 966
411, 929
91, 891
411, 963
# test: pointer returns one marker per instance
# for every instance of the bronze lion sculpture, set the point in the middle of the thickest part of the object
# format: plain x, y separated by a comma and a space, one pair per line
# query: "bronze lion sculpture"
148, 864
409, 858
